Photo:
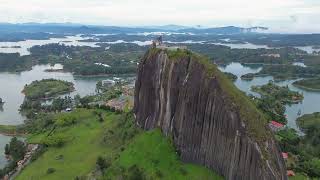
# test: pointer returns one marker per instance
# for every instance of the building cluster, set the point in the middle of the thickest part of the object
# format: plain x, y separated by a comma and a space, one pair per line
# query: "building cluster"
275, 126
272, 55
108, 83
118, 103
285, 156
125, 100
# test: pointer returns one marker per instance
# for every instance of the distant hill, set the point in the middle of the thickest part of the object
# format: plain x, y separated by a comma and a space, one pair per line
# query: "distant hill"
171, 27
225, 30
70, 28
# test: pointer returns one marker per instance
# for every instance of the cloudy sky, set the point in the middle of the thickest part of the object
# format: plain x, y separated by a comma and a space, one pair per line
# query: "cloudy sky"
279, 15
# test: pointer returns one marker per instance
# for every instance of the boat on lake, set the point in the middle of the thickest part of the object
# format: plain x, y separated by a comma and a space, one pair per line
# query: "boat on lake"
1, 102
299, 112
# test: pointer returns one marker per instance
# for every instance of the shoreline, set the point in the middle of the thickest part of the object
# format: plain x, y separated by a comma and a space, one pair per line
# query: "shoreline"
102, 75
306, 88
11, 130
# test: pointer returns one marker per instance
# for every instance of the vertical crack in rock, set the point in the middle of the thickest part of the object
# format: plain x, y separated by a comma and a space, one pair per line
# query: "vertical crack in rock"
188, 101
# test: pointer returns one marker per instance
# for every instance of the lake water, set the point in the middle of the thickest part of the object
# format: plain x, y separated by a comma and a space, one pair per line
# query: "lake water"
7, 47
308, 49
11, 47
244, 46
299, 64
11, 86
307, 106
247, 45
3, 141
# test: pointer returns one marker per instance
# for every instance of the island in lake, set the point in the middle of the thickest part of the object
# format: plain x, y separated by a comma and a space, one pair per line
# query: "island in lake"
309, 121
47, 88
248, 77
10, 47
308, 84
281, 93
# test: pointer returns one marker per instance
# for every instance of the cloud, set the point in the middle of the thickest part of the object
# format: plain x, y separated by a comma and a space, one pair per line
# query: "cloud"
275, 13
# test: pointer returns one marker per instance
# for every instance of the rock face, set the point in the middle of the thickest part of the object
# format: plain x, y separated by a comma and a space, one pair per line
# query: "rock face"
191, 102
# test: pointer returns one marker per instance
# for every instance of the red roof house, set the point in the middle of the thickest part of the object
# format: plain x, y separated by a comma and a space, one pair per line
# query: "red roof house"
275, 126
290, 173
285, 155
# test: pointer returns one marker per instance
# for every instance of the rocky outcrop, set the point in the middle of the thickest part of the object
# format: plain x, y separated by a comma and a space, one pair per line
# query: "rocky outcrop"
211, 122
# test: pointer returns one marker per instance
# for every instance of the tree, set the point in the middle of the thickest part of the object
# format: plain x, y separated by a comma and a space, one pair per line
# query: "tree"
98, 86
16, 149
134, 173
102, 163
77, 99
6, 149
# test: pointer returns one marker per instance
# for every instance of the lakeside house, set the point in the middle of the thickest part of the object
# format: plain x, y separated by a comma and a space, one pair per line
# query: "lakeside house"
284, 155
120, 102
275, 126
290, 173
68, 109
108, 83
271, 55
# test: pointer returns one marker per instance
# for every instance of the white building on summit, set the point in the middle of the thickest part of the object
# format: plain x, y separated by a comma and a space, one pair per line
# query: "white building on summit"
158, 43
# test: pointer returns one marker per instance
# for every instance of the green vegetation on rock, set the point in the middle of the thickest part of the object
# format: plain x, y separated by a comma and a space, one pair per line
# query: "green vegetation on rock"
231, 76
47, 88
254, 118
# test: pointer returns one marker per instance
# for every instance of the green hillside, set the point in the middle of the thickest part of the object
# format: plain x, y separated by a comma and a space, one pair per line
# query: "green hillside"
126, 151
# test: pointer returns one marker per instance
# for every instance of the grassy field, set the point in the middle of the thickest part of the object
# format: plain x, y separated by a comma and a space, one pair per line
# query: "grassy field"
87, 138
155, 155
79, 153
299, 176
47, 88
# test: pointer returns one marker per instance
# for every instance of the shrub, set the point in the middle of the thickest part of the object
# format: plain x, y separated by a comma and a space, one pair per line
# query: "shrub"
134, 173
38, 153
65, 121
103, 163
51, 170
183, 171
159, 173
56, 140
